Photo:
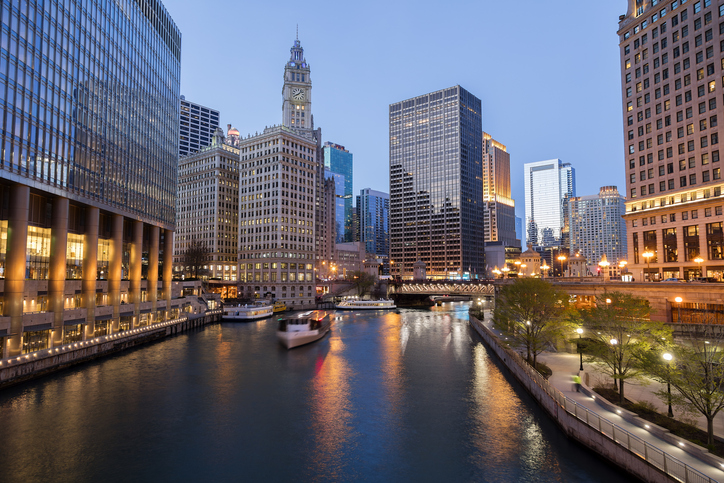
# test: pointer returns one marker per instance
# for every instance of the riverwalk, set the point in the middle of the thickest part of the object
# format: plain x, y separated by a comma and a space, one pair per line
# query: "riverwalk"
565, 366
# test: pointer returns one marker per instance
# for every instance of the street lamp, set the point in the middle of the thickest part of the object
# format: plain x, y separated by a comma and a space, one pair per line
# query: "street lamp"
523, 268
505, 271
497, 272
667, 357
561, 258
544, 269
699, 260
604, 263
678, 301
647, 255
580, 351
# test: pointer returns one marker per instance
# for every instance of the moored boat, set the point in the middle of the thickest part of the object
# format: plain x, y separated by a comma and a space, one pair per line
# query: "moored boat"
303, 328
247, 312
356, 304
279, 306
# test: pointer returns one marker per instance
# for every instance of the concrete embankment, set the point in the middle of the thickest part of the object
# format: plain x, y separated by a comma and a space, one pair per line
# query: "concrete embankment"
629, 452
35, 364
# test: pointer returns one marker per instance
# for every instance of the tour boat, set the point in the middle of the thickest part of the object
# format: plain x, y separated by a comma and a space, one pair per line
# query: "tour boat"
280, 306
248, 312
300, 329
356, 304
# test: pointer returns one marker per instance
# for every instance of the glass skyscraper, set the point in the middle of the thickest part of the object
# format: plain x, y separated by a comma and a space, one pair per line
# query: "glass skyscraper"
340, 204
549, 185
338, 160
436, 192
197, 127
89, 131
373, 216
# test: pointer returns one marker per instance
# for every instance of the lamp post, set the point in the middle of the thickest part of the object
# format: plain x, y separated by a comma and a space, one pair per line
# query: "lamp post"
561, 258
678, 301
621, 266
497, 272
580, 351
517, 265
523, 268
544, 269
698, 260
647, 255
505, 271
667, 357
604, 263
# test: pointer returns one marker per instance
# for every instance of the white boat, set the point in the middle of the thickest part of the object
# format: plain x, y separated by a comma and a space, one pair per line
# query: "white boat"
248, 312
300, 329
356, 304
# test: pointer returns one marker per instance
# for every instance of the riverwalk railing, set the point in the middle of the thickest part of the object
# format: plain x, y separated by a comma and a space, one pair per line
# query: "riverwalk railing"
54, 351
653, 455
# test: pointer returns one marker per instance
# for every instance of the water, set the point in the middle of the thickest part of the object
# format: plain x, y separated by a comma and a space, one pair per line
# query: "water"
409, 396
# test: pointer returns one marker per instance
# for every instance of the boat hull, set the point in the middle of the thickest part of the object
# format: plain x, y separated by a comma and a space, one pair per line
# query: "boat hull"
365, 307
244, 318
294, 339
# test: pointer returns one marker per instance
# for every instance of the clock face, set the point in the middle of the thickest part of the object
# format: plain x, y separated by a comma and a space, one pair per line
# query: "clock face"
298, 94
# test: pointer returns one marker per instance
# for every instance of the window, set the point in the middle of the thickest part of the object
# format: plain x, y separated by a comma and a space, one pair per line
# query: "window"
671, 184
670, 168
692, 162
682, 181
705, 176
702, 107
704, 141
692, 179
707, 212
716, 173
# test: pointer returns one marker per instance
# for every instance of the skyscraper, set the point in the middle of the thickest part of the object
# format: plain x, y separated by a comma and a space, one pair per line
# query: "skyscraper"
88, 168
197, 126
671, 76
338, 160
340, 204
498, 204
373, 215
597, 227
549, 185
436, 212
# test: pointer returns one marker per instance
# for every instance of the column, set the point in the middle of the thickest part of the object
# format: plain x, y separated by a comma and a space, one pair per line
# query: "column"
152, 279
167, 266
57, 272
90, 268
15, 265
136, 270
659, 252
114, 269
703, 247
680, 252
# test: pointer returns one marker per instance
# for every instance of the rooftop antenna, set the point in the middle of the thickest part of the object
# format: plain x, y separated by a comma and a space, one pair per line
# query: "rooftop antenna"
297, 31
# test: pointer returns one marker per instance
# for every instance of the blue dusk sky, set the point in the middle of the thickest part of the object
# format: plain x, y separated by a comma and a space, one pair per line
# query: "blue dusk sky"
547, 73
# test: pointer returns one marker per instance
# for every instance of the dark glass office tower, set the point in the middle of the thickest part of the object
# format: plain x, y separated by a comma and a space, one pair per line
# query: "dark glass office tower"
89, 132
436, 212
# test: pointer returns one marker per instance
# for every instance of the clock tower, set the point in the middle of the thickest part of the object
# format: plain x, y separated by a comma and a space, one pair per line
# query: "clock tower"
297, 92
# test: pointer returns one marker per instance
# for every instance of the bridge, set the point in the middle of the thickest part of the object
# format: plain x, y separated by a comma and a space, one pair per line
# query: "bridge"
481, 288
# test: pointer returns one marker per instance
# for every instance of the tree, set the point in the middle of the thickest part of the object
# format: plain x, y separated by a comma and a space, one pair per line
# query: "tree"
621, 333
697, 374
363, 281
531, 313
195, 256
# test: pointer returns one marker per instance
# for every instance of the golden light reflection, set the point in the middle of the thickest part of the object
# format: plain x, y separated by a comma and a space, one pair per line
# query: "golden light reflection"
331, 411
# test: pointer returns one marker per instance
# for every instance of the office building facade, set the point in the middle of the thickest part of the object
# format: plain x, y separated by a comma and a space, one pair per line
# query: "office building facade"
339, 160
197, 125
88, 169
671, 85
597, 226
499, 206
207, 208
373, 215
338, 219
436, 212
549, 185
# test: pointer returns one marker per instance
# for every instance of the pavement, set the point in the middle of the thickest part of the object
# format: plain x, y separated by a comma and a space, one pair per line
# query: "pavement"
565, 366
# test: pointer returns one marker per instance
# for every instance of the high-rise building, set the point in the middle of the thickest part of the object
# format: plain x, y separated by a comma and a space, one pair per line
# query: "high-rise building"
338, 160
373, 213
88, 169
207, 208
281, 194
436, 192
519, 231
671, 85
549, 185
340, 204
197, 126
597, 227
498, 203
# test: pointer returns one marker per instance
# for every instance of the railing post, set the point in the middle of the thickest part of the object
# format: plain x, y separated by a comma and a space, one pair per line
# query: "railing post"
646, 451
666, 470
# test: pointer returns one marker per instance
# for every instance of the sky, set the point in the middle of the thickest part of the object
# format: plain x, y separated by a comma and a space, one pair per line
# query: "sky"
547, 73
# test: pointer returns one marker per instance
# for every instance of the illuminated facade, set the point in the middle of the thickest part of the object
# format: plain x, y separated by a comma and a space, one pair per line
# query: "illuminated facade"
88, 156
498, 204
597, 227
671, 85
436, 209
208, 208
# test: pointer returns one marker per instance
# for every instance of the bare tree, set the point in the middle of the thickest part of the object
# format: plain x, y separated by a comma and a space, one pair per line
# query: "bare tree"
196, 256
363, 282
532, 313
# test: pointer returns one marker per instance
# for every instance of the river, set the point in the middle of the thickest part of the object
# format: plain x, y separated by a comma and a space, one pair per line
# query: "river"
408, 396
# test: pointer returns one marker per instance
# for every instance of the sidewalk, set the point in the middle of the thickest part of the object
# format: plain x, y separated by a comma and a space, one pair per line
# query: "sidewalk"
565, 366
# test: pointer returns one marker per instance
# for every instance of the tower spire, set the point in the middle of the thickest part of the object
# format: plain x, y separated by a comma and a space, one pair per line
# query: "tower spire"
297, 31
